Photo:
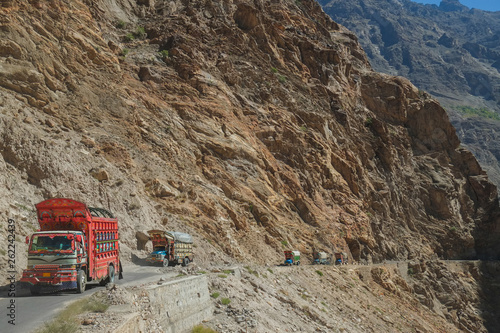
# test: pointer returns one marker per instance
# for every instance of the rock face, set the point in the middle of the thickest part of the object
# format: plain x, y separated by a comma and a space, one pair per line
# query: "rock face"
275, 130
449, 50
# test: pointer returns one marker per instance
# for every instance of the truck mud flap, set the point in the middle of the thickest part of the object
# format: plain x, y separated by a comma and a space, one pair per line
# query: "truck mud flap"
120, 274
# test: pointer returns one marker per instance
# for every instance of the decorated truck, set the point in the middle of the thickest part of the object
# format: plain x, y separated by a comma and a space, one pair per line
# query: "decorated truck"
292, 258
321, 258
75, 244
340, 258
170, 248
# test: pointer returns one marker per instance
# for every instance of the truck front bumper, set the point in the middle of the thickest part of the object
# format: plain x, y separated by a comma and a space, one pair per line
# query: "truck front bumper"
50, 280
155, 259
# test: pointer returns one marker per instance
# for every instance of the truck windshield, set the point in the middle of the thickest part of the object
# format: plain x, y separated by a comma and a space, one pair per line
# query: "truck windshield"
52, 243
159, 248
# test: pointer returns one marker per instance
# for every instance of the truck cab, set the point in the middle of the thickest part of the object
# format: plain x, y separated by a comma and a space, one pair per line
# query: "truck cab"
159, 254
54, 257
292, 258
161, 247
75, 244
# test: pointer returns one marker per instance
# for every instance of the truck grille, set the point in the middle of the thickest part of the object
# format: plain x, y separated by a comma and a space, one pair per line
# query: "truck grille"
45, 267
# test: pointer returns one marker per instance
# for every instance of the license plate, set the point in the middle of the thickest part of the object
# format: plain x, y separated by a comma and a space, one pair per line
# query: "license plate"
46, 275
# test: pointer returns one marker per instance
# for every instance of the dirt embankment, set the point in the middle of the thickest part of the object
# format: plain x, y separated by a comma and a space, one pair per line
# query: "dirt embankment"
392, 297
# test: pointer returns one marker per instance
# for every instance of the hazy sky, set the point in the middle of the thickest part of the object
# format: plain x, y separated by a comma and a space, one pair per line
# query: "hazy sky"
491, 5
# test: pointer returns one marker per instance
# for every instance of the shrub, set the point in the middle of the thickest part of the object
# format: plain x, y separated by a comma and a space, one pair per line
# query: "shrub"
222, 276
59, 326
225, 301
274, 70
215, 295
163, 54
124, 52
96, 307
120, 24
320, 273
129, 37
282, 79
139, 32
251, 271
202, 329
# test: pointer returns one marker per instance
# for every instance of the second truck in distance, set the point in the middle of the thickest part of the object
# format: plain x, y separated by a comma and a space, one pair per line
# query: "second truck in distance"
170, 248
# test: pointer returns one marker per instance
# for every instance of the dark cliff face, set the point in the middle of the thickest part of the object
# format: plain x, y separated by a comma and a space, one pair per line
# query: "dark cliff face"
448, 50
250, 124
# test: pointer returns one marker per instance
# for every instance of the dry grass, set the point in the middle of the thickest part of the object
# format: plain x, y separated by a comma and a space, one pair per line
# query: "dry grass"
66, 320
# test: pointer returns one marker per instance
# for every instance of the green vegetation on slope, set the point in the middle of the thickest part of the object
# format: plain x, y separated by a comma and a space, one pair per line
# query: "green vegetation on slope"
469, 111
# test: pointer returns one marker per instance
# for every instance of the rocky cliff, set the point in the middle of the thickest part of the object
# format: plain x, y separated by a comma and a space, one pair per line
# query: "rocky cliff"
449, 50
252, 125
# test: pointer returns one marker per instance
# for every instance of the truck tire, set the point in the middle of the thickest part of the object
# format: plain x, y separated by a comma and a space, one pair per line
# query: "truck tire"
81, 281
298, 262
165, 262
185, 262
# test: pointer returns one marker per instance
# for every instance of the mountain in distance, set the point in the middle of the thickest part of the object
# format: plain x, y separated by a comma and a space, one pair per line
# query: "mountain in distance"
450, 51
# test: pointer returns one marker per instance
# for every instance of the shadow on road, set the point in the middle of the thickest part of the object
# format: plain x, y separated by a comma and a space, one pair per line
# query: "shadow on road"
140, 261
22, 289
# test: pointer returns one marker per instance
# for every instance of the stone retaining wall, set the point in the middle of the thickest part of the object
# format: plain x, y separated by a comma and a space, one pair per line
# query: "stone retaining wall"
178, 306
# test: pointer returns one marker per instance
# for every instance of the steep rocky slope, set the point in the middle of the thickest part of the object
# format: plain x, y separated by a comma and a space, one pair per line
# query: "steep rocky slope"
255, 126
449, 50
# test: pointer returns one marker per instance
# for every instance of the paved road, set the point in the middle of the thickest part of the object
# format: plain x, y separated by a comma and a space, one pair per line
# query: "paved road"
31, 312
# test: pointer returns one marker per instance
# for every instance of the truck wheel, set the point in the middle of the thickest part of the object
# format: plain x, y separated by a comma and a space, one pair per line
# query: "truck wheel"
165, 262
81, 281
298, 263
185, 262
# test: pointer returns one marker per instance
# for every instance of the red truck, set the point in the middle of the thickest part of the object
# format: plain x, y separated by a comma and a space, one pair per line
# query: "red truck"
74, 244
